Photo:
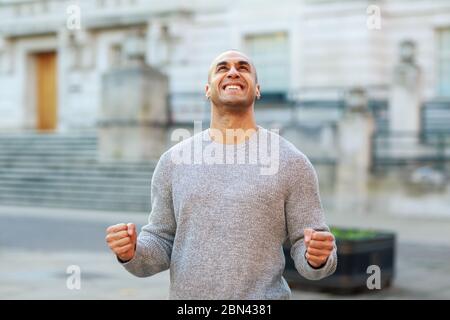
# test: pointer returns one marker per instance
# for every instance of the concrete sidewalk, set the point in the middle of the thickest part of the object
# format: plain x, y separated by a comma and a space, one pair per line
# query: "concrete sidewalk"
38, 245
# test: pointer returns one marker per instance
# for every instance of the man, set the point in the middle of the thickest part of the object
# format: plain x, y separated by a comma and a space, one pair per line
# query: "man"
220, 226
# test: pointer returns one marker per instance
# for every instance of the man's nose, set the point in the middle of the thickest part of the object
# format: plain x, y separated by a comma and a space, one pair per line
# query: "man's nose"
233, 73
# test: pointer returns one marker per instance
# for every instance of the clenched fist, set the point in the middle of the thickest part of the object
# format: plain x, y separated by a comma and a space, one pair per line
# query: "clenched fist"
319, 245
121, 239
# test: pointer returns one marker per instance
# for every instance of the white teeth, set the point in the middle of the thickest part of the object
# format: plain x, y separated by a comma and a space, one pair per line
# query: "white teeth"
232, 87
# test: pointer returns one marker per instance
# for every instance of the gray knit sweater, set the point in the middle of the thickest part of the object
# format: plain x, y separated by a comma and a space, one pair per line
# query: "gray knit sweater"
220, 227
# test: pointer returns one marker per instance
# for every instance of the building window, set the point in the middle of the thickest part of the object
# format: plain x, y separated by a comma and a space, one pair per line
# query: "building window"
115, 55
444, 63
270, 54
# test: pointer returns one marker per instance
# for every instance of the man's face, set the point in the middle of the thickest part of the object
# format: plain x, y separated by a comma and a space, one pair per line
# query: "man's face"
232, 81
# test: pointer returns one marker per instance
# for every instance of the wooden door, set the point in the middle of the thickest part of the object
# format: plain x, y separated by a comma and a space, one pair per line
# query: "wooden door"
46, 91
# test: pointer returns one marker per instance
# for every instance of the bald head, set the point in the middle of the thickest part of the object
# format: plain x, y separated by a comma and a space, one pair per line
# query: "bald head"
222, 57
232, 82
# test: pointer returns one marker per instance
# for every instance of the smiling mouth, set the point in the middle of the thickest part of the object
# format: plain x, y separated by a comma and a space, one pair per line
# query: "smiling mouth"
232, 87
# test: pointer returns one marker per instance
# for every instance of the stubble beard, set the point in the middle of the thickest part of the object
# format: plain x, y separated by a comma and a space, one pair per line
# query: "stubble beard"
238, 107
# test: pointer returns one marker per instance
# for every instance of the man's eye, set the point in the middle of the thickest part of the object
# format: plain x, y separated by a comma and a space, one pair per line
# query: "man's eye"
221, 68
244, 68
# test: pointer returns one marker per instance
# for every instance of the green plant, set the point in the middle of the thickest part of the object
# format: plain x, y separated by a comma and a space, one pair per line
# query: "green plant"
352, 234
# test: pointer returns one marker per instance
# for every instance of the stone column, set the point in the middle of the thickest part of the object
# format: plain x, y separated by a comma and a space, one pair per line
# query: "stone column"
76, 68
406, 92
157, 43
355, 131
134, 112
4, 55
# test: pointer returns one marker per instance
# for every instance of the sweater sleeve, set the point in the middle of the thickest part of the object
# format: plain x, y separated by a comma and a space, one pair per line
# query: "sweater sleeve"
155, 241
303, 209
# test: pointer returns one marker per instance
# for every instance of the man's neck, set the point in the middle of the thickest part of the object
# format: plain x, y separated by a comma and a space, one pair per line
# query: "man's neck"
226, 127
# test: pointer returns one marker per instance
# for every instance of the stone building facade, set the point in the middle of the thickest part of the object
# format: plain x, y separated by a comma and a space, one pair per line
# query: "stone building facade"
53, 53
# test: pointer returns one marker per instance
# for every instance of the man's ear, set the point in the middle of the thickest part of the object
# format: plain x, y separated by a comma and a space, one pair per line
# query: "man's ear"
207, 91
258, 92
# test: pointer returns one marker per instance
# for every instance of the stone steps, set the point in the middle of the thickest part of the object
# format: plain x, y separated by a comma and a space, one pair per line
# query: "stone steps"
42, 177
61, 170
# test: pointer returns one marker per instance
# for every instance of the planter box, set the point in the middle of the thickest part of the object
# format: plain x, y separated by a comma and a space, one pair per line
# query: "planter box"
354, 257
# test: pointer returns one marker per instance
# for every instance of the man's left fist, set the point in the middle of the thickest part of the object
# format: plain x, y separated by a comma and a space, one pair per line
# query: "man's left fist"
319, 245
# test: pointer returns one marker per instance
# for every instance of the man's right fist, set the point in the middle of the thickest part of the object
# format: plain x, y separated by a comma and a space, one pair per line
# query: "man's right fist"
121, 239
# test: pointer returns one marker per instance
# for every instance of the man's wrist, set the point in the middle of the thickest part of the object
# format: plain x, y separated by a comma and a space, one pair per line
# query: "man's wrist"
319, 267
123, 261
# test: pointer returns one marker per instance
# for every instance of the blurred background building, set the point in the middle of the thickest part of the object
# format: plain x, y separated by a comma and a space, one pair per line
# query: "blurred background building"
304, 50
315, 59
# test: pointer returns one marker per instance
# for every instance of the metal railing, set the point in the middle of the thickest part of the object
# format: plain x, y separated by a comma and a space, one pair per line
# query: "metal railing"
394, 149
435, 116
